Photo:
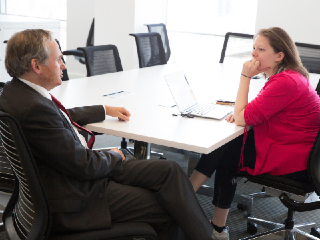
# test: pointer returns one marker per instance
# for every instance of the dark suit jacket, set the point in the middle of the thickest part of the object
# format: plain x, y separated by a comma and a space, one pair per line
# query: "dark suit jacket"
74, 178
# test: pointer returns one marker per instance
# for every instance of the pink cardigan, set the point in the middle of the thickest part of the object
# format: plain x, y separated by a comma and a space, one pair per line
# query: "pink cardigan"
286, 118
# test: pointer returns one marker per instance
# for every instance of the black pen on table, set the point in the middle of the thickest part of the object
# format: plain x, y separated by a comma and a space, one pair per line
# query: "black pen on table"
112, 93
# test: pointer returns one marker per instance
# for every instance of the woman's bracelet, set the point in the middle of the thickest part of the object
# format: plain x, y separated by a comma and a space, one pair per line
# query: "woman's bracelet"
245, 75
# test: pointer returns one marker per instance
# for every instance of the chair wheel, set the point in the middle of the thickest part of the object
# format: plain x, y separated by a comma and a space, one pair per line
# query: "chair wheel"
252, 228
161, 157
242, 207
315, 232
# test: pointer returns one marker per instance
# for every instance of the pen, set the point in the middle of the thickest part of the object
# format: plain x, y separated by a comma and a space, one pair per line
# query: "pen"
112, 93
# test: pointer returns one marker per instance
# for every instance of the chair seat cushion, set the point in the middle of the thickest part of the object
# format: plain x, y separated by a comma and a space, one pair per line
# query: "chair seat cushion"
280, 183
118, 230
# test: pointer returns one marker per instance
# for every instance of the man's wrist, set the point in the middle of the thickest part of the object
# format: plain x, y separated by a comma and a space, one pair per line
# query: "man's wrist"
106, 109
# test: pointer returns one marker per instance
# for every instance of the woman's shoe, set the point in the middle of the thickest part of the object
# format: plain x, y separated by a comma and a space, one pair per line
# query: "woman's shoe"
224, 235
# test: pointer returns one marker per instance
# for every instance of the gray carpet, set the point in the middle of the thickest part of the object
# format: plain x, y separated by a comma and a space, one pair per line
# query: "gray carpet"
269, 208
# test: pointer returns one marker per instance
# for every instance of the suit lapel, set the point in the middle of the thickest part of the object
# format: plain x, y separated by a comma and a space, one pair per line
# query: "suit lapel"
66, 123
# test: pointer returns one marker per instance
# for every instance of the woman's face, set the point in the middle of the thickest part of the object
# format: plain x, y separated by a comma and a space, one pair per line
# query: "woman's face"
264, 53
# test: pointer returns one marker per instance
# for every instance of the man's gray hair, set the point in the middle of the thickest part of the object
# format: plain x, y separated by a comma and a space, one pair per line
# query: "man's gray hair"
24, 46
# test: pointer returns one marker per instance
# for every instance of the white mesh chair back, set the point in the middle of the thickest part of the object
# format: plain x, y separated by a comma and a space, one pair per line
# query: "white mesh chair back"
310, 56
27, 211
6, 174
23, 214
150, 49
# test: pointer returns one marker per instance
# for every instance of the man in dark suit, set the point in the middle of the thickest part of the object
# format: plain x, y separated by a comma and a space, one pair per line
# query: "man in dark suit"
88, 189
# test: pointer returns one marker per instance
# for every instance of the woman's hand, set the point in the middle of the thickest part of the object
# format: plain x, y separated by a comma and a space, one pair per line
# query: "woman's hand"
230, 118
250, 68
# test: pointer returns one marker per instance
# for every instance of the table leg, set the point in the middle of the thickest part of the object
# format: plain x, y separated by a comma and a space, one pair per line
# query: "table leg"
193, 159
141, 150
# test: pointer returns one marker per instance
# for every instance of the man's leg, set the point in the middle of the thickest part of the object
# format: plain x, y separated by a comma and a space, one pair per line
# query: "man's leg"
128, 203
173, 190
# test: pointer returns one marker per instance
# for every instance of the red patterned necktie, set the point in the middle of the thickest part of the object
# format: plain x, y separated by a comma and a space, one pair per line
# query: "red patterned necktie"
62, 108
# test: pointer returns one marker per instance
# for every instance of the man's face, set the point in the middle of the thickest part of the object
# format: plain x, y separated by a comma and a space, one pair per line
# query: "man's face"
52, 70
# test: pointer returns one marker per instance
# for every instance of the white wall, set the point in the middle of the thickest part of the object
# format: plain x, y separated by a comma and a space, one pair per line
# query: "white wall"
79, 18
300, 18
116, 19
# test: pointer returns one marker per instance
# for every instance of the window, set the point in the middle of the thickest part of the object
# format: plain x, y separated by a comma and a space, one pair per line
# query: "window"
36, 8
216, 17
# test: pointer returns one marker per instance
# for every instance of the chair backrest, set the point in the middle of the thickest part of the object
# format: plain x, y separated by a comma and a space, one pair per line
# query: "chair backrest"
150, 49
162, 30
65, 76
318, 88
241, 45
27, 215
101, 59
90, 39
310, 56
6, 174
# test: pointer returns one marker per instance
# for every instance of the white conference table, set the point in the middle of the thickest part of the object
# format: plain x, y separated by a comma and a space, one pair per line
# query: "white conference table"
152, 123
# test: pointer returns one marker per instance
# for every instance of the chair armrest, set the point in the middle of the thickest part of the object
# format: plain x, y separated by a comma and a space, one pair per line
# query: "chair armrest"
73, 52
298, 207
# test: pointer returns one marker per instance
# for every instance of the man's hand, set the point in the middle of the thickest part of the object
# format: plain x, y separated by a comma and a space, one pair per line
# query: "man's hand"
119, 112
118, 151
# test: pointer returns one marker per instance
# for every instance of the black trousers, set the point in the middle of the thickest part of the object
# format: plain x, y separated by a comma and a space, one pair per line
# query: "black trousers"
225, 162
157, 192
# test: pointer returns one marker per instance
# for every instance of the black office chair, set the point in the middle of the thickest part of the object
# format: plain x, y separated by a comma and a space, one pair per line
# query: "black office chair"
318, 88
292, 194
78, 54
150, 49
162, 30
101, 60
65, 76
6, 174
27, 215
230, 36
310, 56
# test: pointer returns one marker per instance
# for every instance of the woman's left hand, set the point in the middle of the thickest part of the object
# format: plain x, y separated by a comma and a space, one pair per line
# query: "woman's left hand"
250, 68
230, 118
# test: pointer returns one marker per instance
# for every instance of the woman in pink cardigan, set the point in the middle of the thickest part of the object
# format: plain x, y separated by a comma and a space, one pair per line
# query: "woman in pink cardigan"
285, 117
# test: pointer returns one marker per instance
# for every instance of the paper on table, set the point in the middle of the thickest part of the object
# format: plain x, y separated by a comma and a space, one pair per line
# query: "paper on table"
118, 94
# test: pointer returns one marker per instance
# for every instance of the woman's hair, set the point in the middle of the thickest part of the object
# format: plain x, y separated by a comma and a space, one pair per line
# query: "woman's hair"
280, 41
24, 46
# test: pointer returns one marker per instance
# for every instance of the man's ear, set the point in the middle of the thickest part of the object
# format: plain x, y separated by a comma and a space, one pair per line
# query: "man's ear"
280, 56
35, 65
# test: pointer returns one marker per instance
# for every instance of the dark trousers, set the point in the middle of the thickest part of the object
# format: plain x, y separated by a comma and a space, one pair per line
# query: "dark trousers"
225, 162
157, 192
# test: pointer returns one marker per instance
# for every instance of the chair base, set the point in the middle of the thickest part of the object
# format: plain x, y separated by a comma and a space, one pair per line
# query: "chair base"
245, 202
278, 231
281, 233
